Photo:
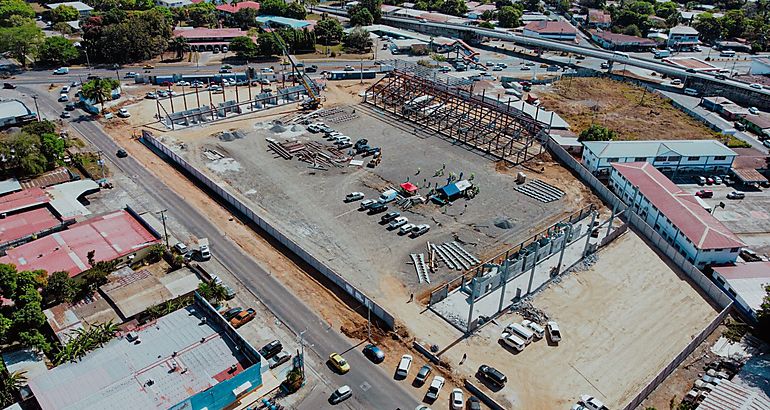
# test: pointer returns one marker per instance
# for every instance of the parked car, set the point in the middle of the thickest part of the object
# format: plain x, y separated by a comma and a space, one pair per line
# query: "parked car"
497, 68
151, 96
123, 113
717, 180
9, 86
419, 230
406, 229
390, 216
64, 98
181, 248
271, 349
701, 180
754, 110
435, 388
65, 90
755, 85
422, 375
70, 107
400, 221
605, 66
473, 403
65, 114
736, 195
148, 67
403, 366
374, 353
377, 207
231, 313
534, 327
279, 359
749, 256
339, 363
705, 193
513, 341
494, 376
341, 394
591, 403
553, 331
367, 203
457, 399
709, 181
243, 318
311, 69
354, 196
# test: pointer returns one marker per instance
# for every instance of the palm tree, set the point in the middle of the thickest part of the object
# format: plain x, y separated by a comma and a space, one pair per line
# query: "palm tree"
99, 90
178, 44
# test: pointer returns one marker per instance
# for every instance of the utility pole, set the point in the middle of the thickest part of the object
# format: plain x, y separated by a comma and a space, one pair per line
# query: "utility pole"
37, 109
162, 213
302, 352
100, 161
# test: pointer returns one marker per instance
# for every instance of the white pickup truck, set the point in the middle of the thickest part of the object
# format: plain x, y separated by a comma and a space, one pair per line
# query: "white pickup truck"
203, 248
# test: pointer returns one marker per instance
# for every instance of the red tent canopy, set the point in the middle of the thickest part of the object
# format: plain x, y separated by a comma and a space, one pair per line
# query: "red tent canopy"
409, 188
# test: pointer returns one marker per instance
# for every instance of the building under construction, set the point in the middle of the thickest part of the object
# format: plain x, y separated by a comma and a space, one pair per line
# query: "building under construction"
448, 106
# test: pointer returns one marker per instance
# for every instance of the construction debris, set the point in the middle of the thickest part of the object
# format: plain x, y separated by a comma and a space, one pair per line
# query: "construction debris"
454, 256
541, 191
527, 311
419, 265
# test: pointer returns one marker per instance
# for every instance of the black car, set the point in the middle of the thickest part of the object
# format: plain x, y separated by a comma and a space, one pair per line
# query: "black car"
473, 403
374, 353
377, 208
691, 70
231, 313
311, 69
372, 151
9, 86
720, 77
390, 216
422, 375
121, 153
70, 107
271, 349
492, 375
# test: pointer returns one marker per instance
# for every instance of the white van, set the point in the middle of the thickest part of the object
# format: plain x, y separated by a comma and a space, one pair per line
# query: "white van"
727, 53
537, 329
521, 331
691, 91
513, 342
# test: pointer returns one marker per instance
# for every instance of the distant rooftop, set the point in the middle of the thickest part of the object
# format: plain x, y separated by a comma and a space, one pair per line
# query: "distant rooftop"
78, 5
9, 185
179, 356
283, 21
133, 292
551, 27
234, 8
729, 395
25, 223
679, 206
13, 108
110, 236
626, 149
205, 33
685, 30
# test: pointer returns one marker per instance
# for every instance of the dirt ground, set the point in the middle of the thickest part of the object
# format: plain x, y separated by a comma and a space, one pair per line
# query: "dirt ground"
616, 105
621, 324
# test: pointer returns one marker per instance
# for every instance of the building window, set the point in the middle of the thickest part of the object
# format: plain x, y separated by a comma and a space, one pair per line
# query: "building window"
691, 260
640, 159
720, 158
732, 292
693, 158
674, 158
718, 250
733, 250
612, 160
660, 158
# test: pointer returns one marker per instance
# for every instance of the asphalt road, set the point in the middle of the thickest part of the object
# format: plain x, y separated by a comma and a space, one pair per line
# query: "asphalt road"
373, 387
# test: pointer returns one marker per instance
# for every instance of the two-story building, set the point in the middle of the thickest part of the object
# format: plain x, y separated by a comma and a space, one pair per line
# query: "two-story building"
83, 9
685, 156
674, 214
683, 38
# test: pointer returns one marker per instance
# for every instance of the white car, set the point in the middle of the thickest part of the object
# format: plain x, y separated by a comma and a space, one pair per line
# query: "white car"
400, 221
591, 403
457, 399
753, 110
123, 113
266, 70
65, 90
196, 85
151, 96
435, 388
406, 229
366, 203
183, 84
403, 366
553, 331
354, 196
64, 98
536, 328
755, 85
349, 68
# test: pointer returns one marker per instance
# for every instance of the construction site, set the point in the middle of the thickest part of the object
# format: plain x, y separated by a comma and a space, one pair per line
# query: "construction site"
493, 221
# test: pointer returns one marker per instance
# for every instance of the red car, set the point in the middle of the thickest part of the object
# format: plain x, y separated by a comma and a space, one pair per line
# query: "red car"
709, 181
243, 317
705, 193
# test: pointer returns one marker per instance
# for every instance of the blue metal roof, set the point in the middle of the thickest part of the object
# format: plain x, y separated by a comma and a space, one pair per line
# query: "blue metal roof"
283, 21
449, 190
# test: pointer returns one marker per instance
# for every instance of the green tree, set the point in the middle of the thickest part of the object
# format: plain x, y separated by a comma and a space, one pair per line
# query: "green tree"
202, 14
533, 5
212, 291
64, 13
733, 23
57, 50
454, 7
121, 37
329, 31
708, 26
272, 8
486, 24
421, 5
597, 132
245, 18
178, 44
21, 41
18, 8
39, 128
360, 17
62, 27
358, 39
641, 7
374, 7
60, 288
509, 17
632, 30
52, 148
99, 90
763, 316
244, 47
665, 10
295, 10
267, 45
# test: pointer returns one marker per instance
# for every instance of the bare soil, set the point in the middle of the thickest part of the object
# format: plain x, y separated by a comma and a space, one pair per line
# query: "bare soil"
631, 111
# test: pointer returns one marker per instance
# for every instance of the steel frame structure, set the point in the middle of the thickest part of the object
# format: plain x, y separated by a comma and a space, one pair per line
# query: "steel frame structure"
449, 107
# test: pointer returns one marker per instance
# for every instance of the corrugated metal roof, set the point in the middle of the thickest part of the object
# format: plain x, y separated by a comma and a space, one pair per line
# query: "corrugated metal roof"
133, 292
124, 375
681, 207
9, 185
731, 396
748, 280
629, 149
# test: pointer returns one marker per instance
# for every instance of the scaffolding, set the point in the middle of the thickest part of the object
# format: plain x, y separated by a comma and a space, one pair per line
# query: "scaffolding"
448, 106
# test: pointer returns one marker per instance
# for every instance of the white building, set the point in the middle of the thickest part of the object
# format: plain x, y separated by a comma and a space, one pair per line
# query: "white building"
699, 155
745, 283
172, 3
674, 214
82, 8
683, 37
14, 112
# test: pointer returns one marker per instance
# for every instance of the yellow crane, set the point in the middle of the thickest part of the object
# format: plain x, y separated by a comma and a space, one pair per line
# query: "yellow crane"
315, 100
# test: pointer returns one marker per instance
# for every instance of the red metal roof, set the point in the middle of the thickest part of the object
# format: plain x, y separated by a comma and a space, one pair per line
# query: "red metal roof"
750, 270
551, 27
620, 39
230, 8
202, 32
699, 226
110, 236
22, 224
23, 199
599, 16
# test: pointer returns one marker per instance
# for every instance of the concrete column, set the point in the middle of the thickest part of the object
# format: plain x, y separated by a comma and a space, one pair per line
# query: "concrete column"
504, 276
612, 219
470, 310
588, 237
564, 247
534, 265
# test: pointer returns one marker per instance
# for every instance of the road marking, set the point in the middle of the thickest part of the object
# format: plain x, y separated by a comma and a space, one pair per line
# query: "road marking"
345, 213
365, 386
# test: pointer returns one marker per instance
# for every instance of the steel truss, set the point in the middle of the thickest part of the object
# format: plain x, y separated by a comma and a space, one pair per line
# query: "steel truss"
451, 109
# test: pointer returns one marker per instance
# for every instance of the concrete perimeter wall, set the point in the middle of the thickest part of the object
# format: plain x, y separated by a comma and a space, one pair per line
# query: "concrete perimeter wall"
311, 260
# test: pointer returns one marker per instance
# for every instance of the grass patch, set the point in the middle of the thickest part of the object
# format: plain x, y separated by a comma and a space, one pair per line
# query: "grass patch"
735, 330
735, 142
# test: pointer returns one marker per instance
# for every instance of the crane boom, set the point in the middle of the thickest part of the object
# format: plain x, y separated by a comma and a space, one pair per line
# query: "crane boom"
315, 100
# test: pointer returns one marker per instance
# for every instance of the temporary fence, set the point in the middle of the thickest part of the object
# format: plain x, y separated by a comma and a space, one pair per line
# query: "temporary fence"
666, 371
246, 211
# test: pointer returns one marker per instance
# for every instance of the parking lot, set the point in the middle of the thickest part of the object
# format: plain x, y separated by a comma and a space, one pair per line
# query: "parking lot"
620, 324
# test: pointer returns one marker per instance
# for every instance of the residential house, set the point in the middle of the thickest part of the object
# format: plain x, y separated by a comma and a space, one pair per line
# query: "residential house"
553, 30
623, 42
683, 37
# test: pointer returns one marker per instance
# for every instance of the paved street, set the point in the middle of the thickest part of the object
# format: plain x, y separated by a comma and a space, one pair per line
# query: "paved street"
372, 386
